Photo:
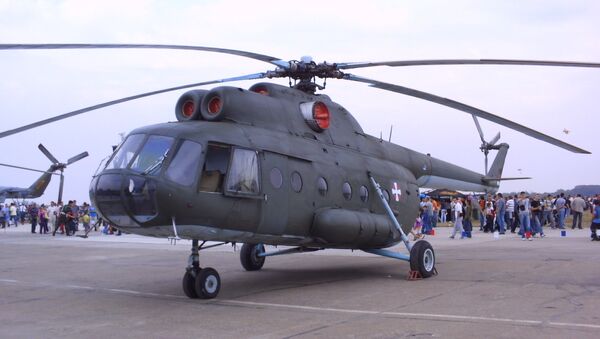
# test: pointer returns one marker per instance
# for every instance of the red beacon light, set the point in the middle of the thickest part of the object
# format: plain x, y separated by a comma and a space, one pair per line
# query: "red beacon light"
316, 114
260, 90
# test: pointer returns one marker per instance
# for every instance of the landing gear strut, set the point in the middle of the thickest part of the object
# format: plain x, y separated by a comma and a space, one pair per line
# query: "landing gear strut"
197, 282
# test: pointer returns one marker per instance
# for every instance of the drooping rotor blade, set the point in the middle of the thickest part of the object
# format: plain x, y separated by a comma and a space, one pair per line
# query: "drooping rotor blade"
466, 108
272, 60
118, 101
478, 128
48, 154
350, 65
27, 169
77, 157
494, 139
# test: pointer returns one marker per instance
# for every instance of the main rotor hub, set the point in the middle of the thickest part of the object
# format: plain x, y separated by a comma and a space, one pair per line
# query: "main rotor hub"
306, 71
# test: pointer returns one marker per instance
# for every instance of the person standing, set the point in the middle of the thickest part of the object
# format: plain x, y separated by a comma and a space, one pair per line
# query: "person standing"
43, 217
577, 208
12, 210
524, 217
467, 220
458, 217
500, 211
561, 208
596, 220
510, 214
481, 212
33, 216
536, 216
547, 212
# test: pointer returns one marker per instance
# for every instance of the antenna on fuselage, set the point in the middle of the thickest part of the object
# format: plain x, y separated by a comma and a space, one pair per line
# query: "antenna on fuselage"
391, 128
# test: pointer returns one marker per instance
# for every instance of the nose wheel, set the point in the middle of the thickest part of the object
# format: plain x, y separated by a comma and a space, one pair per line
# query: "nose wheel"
203, 283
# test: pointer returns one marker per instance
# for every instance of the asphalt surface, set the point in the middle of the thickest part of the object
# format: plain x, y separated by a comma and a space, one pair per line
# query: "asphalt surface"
130, 286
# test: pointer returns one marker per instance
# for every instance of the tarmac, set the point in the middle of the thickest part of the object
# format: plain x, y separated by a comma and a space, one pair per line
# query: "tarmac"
130, 286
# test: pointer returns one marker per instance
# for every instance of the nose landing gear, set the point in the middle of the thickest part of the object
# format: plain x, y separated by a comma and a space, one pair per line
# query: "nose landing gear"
203, 283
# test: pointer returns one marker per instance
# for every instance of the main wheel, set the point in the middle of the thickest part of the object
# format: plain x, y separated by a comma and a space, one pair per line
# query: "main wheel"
249, 257
189, 282
422, 258
208, 283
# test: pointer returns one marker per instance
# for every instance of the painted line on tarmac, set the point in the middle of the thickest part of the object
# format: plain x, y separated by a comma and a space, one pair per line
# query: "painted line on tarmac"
406, 315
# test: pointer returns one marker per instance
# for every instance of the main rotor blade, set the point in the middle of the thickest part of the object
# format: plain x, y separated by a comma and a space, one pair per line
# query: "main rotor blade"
77, 157
478, 129
28, 169
118, 101
350, 65
466, 108
272, 60
48, 154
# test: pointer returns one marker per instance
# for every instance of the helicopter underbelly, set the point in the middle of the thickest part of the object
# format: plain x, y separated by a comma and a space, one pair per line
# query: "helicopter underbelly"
218, 234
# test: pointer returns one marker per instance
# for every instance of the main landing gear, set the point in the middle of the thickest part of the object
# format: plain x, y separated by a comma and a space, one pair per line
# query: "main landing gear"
203, 283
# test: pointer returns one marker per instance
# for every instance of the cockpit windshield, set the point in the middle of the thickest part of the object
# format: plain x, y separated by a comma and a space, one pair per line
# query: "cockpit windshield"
149, 160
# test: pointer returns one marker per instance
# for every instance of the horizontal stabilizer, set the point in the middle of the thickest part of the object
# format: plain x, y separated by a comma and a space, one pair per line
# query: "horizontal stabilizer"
505, 179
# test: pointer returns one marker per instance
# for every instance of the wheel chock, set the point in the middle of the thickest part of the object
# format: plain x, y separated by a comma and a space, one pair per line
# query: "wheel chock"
414, 275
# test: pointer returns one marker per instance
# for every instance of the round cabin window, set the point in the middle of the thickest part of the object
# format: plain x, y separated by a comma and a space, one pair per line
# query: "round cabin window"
296, 181
364, 194
347, 191
322, 186
276, 177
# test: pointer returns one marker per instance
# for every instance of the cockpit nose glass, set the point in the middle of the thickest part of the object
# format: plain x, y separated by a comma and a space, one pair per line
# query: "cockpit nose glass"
149, 160
126, 152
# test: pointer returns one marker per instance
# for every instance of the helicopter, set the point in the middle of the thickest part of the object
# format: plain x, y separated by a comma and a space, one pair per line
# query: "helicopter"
39, 186
280, 165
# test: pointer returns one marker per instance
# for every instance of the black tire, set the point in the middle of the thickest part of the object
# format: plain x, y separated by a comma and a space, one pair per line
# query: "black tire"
422, 258
189, 285
208, 283
249, 257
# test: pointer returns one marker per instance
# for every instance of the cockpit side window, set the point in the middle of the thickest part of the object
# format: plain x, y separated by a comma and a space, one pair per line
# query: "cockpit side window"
243, 174
185, 163
215, 168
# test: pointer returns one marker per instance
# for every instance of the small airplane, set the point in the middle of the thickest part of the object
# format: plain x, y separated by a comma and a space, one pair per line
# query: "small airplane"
566, 131
39, 186
277, 165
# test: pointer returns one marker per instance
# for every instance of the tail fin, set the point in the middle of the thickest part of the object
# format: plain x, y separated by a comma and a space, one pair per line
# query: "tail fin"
39, 186
498, 164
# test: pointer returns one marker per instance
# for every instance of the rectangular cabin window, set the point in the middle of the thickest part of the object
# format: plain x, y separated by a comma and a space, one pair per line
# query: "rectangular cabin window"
243, 174
215, 168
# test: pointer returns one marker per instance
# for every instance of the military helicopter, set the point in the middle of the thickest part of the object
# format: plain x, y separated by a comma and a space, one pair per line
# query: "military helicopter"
39, 186
277, 165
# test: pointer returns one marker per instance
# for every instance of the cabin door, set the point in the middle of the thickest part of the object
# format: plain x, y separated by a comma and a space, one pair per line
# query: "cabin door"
275, 183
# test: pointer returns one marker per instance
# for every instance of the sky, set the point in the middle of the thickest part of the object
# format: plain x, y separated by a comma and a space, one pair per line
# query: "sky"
39, 84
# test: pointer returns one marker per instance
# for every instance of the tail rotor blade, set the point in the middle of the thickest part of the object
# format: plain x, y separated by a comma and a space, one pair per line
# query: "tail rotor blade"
495, 139
48, 154
478, 129
77, 157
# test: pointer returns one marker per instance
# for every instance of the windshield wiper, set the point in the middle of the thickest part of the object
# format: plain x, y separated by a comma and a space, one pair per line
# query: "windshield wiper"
157, 164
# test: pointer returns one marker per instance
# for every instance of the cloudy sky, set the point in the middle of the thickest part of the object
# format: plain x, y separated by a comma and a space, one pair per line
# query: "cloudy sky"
40, 84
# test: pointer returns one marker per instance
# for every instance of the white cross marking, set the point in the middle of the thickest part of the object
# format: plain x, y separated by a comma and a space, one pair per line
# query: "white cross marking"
396, 192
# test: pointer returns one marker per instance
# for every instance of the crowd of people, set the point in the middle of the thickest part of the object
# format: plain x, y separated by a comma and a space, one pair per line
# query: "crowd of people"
496, 213
52, 218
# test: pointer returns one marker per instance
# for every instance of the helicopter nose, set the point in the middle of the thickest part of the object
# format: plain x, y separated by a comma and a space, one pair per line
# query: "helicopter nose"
126, 200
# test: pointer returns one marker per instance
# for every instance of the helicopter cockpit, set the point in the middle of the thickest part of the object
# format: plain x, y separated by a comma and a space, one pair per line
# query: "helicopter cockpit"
125, 190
